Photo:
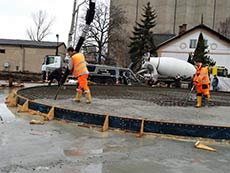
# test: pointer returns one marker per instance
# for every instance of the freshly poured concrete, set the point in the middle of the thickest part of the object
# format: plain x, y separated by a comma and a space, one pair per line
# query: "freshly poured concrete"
5, 113
165, 104
65, 147
214, 115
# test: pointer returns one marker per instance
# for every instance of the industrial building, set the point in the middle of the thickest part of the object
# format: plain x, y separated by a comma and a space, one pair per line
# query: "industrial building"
173, 13
26, 55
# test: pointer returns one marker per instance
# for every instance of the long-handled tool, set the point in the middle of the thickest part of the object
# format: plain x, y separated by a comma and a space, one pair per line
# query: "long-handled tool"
63, 79
188, 96
88, 20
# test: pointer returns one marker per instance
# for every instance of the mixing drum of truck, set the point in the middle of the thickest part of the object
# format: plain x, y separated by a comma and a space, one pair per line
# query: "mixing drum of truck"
155, 68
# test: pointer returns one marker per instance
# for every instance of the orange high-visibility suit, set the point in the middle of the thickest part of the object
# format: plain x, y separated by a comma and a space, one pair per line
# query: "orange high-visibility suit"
202, 83
81, 72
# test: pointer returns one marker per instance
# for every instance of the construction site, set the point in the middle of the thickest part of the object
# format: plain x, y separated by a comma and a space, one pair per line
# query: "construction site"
125, 129
169, 115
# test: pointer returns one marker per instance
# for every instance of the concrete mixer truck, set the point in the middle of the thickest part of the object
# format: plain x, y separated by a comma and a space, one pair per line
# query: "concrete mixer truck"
166, 69
154, 69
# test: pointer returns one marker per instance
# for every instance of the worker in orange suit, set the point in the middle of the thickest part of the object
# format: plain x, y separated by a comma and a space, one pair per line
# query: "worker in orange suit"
77, 65
202, 83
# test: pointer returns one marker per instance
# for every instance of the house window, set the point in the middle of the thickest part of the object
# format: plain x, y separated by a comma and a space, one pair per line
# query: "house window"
2, 51
193, 43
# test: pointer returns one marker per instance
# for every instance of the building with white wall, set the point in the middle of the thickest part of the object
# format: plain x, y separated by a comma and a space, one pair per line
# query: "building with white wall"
181, 45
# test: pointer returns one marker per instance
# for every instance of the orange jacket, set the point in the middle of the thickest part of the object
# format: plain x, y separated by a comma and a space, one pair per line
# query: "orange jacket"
201, 77
79, 65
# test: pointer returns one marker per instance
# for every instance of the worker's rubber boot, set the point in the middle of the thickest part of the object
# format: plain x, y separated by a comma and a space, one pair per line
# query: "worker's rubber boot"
88, 97
198, 101
78, 97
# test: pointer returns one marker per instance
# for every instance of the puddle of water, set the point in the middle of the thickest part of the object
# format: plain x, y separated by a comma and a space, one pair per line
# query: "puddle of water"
5, 113
80, 152
96, 151
40, 168
2, 96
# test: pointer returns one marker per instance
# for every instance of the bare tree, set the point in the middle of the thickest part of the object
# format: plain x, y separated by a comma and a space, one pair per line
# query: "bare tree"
102, 30
225, 27
42, 26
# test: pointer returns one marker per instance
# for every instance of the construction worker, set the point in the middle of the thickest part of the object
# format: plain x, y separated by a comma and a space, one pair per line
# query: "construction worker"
202, 83
77, 65
215, 82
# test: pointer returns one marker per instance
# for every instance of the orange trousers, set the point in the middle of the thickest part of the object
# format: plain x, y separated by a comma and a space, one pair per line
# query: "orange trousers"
201, 91
83, 83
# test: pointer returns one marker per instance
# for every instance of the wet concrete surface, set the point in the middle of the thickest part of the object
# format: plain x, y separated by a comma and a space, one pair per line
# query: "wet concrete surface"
65, 147
140, 102
159, 96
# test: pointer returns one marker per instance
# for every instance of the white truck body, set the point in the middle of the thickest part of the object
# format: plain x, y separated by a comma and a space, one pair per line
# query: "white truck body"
154, 67
51, 62
172, 67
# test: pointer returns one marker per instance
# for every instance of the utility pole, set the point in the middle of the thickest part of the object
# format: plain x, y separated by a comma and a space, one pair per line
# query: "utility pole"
174, 21
57, 44
73, 26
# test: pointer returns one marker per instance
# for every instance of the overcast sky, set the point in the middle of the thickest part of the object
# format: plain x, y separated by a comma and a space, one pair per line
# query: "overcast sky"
15, 17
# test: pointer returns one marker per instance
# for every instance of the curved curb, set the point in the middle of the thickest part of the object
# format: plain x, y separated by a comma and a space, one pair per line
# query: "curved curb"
136, 125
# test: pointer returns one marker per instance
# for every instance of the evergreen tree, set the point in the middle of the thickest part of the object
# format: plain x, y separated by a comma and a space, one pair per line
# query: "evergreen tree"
190, 59
201, 53
142, 40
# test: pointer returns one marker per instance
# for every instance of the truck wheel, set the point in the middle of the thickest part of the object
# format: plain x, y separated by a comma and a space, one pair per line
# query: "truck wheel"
43, 75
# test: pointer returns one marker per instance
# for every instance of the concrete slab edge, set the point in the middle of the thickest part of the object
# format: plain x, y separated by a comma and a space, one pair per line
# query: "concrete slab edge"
140, 126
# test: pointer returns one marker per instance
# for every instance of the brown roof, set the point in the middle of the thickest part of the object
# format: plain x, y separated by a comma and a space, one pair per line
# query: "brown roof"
29, 43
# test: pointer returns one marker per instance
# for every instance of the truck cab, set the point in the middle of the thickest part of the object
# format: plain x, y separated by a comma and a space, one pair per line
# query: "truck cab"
50, 63
218, 71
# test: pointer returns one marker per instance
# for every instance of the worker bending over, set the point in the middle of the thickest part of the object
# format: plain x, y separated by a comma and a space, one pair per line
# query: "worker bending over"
77, 65
202, 83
